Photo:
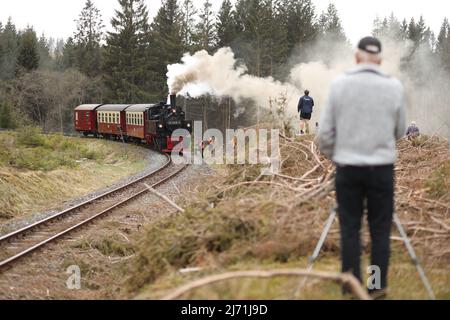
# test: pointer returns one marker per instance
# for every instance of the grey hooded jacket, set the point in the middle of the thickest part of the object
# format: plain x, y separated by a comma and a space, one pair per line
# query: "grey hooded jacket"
363, 118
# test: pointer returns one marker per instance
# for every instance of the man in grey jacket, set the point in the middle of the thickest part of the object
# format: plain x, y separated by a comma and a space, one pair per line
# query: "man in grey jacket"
360, 124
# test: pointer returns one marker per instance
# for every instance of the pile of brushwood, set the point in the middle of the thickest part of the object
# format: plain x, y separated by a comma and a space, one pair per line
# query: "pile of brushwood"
423, 194
240, 215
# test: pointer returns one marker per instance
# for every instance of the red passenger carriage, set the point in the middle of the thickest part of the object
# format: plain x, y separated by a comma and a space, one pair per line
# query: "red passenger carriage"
136, 118
111, 120
85, 119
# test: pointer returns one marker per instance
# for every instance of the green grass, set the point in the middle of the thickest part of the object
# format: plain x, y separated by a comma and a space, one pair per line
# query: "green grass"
405, 283
29, 149
33, 166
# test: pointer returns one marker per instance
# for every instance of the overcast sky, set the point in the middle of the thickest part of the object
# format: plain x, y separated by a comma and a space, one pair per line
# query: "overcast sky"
56, 17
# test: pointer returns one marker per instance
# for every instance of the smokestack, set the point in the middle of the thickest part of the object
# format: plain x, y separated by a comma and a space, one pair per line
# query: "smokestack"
173, 100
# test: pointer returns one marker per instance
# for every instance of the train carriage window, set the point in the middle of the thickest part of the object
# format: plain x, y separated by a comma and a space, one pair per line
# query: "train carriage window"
118, 118
109, 117
76, 116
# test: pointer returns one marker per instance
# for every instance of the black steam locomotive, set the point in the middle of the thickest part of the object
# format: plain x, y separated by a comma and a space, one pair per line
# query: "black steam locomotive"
152, 124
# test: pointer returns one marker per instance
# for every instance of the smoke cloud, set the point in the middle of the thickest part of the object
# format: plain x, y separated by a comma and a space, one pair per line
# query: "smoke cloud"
220, 75
427, 85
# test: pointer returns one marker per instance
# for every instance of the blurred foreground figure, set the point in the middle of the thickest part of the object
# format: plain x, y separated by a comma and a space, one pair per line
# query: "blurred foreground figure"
305, 108
413, 131
363, 118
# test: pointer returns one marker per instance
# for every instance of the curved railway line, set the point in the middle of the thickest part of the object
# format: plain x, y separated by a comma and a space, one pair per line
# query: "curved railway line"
20, 243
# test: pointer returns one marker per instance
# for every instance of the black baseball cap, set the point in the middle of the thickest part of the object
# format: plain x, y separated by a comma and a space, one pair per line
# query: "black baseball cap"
370, 45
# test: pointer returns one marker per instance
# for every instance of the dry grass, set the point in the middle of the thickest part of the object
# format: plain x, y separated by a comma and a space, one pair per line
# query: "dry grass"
94, 164
243, 220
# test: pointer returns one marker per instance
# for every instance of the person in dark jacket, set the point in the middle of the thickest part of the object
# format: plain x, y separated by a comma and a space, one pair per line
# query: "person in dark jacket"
305, 108
413, 131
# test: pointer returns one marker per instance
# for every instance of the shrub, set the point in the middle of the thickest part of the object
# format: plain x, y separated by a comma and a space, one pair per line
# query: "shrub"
30, 136
439, 183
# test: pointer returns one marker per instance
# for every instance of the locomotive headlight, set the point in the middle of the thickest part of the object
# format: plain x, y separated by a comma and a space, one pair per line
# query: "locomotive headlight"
160, 126
174, 110
188, 125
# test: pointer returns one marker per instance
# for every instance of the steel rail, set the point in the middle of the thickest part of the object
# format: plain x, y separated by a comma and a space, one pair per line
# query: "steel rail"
58, 215
66, 231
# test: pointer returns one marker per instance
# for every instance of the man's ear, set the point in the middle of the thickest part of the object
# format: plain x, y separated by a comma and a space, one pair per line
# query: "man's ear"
357, 58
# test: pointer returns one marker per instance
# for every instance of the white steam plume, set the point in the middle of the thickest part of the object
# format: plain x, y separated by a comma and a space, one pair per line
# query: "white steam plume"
427, 89
220, 76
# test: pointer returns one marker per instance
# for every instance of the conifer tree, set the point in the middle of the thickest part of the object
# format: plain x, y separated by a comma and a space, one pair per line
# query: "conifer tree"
332, 27
69, 59
205, 29
225, 25
127, 67
443, 45
88, 39
168, 44
187, 23
44, 47
10, 40
302, 28
28, 57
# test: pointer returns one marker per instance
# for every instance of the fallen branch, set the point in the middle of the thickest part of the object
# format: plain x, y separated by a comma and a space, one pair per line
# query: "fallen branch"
173, 204
347, 279
249, 183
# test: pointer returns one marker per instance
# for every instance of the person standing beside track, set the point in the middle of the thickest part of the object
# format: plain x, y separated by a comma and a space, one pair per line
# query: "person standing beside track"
363, 118
305, 108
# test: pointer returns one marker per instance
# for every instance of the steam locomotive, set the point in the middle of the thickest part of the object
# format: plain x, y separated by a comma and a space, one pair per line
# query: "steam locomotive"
152, 124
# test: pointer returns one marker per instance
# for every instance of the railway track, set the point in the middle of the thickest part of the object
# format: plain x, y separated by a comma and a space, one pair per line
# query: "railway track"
25, 241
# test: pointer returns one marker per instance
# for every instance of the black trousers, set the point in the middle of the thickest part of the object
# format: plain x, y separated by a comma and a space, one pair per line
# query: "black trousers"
355, 186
